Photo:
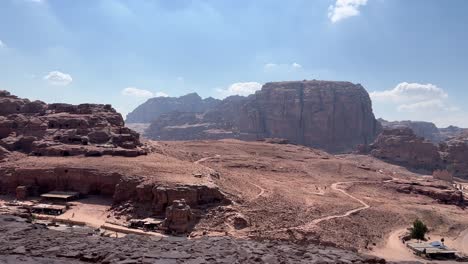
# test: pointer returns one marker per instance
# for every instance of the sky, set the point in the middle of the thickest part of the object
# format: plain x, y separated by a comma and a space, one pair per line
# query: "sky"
411, 56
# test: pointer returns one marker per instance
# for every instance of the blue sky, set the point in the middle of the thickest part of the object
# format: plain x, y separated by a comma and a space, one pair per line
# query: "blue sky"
410, 55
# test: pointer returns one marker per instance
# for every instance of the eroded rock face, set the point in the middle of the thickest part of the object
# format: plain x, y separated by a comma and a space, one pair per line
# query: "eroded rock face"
158, 197
179, 217
63, 129
85, 181
335, 116
455, 155
155, 107
402, 146
423, 129
442, 193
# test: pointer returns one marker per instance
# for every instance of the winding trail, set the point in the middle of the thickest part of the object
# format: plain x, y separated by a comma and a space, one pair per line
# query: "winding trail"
206, 158
261, 193
335, 187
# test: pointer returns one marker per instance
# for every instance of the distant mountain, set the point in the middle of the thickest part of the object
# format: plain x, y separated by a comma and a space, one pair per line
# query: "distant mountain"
335, 116
154, 107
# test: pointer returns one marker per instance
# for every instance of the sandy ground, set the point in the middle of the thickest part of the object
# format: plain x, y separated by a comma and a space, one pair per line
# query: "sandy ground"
92, 210
294, 192
287, 192
395, 250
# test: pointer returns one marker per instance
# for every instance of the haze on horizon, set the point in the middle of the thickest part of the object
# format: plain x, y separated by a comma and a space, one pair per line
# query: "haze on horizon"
409, 55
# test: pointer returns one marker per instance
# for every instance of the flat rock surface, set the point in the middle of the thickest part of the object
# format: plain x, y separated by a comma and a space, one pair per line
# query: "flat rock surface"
27, 243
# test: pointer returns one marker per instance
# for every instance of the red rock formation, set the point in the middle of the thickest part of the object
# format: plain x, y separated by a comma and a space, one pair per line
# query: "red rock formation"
427, 130
179, 217
158, 197
335, 116
155, 107
85, 181
64, 129
455, 156
402, 146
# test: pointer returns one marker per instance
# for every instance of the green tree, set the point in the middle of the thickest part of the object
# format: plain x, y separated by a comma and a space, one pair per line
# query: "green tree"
419, 230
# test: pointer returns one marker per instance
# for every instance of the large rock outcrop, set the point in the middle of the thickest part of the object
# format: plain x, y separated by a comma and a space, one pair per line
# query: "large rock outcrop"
335, 116
155, 107
402, 146
423, 129
454, 153
63, 129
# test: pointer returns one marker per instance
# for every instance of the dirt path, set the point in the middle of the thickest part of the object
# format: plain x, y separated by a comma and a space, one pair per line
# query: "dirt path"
348, 213
394, 249
206, 158
261, 193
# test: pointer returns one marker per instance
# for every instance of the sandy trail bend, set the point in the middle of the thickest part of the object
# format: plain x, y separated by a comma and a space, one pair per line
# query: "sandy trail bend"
347, 213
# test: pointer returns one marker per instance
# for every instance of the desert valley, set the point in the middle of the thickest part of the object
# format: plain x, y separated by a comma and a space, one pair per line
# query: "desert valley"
299, 172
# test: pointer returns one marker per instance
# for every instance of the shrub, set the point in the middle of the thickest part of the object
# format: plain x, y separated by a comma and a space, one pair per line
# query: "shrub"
419, 230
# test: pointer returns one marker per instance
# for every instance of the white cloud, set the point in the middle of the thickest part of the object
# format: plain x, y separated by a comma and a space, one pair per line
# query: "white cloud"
135, 92
343, 9
296, 65
58, 78
270, 66
435, 105
410, 93
2, 44
421, 102
283, 66
241, 88
161, 94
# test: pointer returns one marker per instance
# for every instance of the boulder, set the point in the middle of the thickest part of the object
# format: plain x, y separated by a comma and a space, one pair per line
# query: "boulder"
3, 153
179, 217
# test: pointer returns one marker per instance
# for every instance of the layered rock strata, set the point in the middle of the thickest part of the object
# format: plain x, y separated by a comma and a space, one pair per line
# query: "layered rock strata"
42, 129
335, 116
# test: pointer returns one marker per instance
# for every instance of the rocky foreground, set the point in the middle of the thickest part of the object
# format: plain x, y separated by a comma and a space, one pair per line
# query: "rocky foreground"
22, 242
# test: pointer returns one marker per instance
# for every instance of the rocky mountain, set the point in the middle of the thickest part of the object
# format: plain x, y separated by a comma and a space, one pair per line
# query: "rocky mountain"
423, 129
335, 116
402, 146
453, 131
154, 107
44, 129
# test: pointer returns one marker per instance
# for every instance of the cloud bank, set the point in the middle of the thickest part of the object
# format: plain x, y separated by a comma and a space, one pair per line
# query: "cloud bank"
418, 101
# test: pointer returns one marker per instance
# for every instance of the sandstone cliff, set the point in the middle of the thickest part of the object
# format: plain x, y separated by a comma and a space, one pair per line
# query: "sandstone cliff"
402, 146
335, 116
64, 130
423, 129
154, 107
454, 153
